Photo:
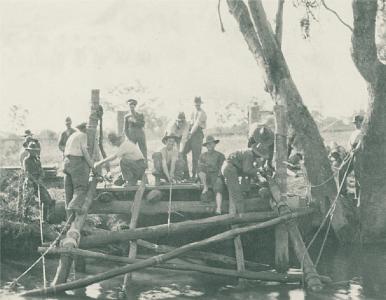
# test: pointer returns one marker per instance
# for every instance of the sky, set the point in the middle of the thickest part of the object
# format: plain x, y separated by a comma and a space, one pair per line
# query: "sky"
53, 52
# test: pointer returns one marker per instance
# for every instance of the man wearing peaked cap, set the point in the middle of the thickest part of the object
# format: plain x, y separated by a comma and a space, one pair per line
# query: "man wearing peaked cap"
65, 134
209, 170
133, 126
168, 163
195, 136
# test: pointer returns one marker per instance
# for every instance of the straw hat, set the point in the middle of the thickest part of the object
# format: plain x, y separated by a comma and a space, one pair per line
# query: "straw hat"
210, 139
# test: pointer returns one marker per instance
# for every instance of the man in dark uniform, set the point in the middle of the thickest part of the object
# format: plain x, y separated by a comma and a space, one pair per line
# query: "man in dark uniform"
209, 170
33, 177
263, 134
241, 163
65, 134
134, 123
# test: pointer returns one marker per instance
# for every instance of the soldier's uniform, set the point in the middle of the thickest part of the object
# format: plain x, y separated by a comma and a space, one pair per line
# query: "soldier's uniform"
242, 163
210, 163
134, 124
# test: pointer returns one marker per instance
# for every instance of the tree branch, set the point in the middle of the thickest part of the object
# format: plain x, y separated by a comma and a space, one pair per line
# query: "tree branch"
364, 50
337, 15
240, 12
279, 22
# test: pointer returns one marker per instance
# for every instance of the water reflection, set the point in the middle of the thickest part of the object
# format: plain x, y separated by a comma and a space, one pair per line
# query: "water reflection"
358, 273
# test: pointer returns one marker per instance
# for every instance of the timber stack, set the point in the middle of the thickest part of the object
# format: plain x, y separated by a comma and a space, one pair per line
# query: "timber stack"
278, 216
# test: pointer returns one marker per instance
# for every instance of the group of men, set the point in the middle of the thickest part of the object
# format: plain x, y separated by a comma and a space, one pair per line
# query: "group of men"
211, 168
170, 163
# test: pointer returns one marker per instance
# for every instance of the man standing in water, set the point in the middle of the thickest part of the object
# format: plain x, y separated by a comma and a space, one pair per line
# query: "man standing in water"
134, 123
65, 134
195, 136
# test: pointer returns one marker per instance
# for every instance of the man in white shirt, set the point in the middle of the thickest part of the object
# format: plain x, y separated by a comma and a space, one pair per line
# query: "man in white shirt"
195, 136
180, 129
77, 165
132, 161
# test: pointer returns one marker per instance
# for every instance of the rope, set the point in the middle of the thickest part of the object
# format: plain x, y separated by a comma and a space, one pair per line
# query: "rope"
330, 213
14, 283
41, 208
170, 203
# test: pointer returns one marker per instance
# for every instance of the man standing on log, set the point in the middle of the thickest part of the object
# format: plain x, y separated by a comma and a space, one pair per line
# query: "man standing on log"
65, 134
132, 161
195, 137
244, 163
28, 137
77, 165
133, 125
168, 163
209, 166
180, 129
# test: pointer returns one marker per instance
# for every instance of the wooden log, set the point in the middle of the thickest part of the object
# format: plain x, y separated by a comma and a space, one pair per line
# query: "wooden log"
312, 278
189, 207
205, 256
178, 228
73, 234
160, 258
133, 224
281, 233
261, 275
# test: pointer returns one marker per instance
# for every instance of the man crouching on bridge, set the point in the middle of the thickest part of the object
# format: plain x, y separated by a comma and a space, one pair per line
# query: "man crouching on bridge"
132, 161
244, 163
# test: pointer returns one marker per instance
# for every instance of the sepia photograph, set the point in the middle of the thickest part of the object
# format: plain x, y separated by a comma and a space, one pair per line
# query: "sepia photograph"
193, 149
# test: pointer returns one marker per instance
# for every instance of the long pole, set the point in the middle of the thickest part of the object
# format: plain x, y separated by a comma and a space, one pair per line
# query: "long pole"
159, 258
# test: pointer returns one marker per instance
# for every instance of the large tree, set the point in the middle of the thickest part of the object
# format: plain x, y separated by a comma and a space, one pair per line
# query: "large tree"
265, 47
373, 151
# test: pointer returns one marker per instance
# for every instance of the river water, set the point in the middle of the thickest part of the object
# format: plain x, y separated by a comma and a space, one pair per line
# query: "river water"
357, 273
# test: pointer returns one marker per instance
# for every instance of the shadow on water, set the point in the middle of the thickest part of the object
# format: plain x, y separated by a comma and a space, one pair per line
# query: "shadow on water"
357, 273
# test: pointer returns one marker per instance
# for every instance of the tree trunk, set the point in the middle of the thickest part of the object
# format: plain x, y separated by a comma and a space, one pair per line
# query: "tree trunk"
373, 151
280, 84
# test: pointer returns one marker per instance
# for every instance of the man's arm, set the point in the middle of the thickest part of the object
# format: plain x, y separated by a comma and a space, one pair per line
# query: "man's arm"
200, 117
220, 163
165, 167
61, 143
105, 160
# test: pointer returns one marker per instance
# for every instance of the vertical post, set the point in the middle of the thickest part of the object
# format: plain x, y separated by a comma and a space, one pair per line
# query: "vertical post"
281, 233
73, 234
135, 209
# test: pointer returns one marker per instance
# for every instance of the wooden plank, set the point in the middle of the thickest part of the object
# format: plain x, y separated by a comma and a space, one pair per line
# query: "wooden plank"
164, 187
191, 207
135, 209
159, 259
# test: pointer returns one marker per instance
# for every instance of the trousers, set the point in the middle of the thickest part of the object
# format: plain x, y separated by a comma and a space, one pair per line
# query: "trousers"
76, 176
132, 170
194, 144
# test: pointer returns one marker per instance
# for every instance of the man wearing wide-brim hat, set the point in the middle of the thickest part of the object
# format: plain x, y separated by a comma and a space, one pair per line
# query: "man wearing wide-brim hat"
33, 179
168, 163
133, 126
195, 136
77, 164
263, 134
240, 164
209, 170
28, 137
